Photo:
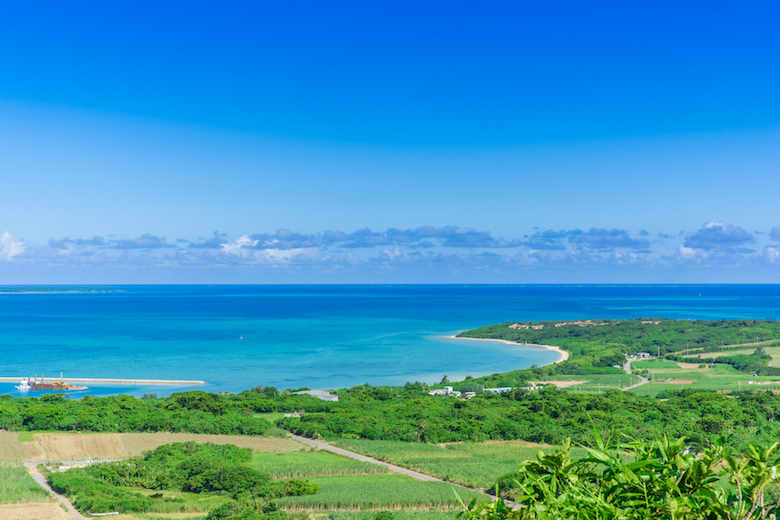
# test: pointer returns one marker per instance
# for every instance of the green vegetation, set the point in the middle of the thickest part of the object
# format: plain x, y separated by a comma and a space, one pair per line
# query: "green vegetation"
470, 464
660, 479
427, 514
193, 412
595, 349
180, 477
17, 486
25, 437
377, 492
550, 415
301, 464
756, 363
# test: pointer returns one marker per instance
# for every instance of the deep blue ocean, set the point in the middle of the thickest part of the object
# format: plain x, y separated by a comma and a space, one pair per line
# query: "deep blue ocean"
321, 337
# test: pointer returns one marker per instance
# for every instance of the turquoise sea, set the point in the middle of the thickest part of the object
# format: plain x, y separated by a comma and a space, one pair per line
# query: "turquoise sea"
321, 337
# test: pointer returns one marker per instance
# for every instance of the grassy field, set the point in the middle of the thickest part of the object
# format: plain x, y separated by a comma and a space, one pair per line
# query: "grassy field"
666, 375
18, 487
304, 464
471, 464
427, 514
772, 351
596, 382
378, 492
79, 446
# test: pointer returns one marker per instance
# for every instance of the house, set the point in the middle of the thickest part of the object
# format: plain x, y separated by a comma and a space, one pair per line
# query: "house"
643, 355
446, 391
499, 390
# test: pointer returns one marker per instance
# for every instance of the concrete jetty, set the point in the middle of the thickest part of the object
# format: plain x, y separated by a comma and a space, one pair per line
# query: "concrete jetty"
111, 381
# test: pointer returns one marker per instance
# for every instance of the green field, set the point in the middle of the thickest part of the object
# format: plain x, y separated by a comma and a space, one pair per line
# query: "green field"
304, 464
417, 514
26, 437
471, 464
596, 382
669, 375
17, 485
270, 416
378, 492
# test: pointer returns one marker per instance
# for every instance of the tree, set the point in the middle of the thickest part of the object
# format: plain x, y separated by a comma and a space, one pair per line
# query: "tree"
444, 380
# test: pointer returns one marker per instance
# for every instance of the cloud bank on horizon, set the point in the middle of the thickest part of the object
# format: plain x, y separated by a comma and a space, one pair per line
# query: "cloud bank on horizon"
369, 142
716, 252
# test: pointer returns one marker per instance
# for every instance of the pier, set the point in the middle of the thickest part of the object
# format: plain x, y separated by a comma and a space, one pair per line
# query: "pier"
112, 381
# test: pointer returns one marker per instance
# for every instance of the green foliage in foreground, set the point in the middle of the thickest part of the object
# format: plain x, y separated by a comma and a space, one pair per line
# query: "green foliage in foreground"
377, 492
218, 470
17, 485
658, 480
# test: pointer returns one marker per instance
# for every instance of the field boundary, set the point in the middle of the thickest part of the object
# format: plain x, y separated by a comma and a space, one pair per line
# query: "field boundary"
41, 480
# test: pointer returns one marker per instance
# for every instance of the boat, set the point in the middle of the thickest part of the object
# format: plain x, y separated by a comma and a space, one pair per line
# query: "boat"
53, 385
24, 385
57, 385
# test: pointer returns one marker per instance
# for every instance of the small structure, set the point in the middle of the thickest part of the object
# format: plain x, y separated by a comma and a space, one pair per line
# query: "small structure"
446, 392
643, 355
499, 390
319, 394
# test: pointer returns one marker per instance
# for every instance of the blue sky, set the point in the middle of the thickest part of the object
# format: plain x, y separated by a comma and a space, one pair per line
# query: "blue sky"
338, 142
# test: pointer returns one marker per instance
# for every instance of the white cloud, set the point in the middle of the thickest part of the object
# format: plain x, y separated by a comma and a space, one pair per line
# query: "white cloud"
9, 247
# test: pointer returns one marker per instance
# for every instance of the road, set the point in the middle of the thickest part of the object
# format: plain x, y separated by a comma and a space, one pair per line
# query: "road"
357, 456
627, 368
41, 480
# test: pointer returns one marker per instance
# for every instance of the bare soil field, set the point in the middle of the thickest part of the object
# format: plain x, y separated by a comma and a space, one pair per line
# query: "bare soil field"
45, 511
80, 446
137, 443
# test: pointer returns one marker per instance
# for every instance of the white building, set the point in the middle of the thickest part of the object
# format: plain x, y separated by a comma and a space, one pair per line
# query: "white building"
446, 391
499, 390
319, 394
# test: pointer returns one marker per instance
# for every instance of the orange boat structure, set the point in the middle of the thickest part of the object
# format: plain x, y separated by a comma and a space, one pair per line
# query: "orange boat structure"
51, 385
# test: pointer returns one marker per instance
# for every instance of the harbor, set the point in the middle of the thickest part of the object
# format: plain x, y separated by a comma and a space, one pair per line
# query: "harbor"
67, 383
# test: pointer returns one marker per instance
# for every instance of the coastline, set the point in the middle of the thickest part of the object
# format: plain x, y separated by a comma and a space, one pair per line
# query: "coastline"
562, 353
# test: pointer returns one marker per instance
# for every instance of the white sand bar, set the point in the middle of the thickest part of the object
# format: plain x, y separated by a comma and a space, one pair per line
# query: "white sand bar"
562, 353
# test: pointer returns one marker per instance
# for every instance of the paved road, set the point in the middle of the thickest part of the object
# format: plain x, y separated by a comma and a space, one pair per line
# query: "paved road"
40, 479
358, 456
642, 380
392, 467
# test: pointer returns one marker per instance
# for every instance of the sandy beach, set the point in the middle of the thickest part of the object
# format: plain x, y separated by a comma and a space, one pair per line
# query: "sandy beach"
562, 353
